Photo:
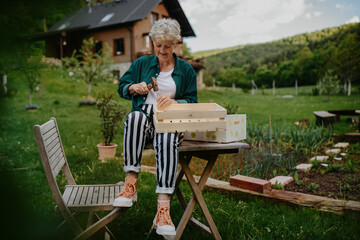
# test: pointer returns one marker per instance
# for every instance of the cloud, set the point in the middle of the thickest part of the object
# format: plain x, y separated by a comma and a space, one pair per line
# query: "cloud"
308, 15
254, 16
354, 19
321, 0
339, 5
317, 14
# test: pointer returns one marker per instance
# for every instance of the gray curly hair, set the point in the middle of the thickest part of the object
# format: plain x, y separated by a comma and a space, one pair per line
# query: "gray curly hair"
165, 30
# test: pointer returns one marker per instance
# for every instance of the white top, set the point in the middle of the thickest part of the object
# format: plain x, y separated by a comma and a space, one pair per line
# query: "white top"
166, 84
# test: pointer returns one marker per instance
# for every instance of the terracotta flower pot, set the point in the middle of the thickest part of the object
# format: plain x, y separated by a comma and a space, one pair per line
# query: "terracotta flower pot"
106, 152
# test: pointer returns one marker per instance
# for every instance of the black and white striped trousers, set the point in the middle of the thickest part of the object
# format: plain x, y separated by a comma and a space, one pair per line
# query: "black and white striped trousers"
139, 130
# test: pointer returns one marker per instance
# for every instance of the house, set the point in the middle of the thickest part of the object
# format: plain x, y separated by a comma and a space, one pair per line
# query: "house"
123, 25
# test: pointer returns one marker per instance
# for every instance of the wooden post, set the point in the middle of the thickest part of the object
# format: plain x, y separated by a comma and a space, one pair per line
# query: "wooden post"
253, 87
349, 88
233, 87
274, 87
296, 87
270, 135
214, 86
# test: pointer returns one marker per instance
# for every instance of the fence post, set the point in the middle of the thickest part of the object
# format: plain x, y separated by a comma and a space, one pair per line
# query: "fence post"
296, 87
274, 87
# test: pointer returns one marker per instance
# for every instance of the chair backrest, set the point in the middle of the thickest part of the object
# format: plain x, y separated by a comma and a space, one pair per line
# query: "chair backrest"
51, 150
53, 159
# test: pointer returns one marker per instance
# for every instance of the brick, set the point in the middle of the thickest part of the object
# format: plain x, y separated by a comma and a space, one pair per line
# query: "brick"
249, 183
319, 158
333, 151
283, 180
342, 145
304, 167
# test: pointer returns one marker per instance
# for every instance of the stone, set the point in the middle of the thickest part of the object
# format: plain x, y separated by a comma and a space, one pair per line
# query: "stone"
283, 180
337, 158
319, 158
343, 154
341, 145
324, 164
333, 151
304, 167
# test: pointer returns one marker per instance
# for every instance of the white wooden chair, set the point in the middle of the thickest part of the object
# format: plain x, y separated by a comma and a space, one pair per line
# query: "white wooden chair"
76, 198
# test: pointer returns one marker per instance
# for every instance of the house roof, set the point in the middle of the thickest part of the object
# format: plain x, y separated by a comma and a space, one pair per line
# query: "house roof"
116, 13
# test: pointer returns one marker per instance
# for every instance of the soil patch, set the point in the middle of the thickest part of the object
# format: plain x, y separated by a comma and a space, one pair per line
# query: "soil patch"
337, 185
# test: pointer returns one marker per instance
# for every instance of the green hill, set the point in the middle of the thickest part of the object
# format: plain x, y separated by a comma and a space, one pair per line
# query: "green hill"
303, 57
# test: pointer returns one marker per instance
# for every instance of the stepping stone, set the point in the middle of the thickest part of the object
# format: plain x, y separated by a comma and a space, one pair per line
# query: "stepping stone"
342, 145
324, 164
333, 151
304, 167
250, 183
319, 158
338, 158
283, 180
343, 154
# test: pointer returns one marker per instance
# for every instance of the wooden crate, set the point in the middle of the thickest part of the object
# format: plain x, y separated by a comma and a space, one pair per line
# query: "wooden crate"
235, 131
190, 117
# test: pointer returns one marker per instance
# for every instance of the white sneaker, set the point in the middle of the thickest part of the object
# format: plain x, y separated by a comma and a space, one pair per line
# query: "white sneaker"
128, 195
162, 221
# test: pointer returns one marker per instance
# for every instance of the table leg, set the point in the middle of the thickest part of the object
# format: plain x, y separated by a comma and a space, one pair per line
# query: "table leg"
196, 188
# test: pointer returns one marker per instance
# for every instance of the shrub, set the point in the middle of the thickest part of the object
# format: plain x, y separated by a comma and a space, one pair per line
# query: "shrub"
278, 186
111, 114
313, 186
315, 92
334, 167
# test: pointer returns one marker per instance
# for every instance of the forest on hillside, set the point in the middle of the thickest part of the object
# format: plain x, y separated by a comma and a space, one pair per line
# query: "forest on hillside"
332, 53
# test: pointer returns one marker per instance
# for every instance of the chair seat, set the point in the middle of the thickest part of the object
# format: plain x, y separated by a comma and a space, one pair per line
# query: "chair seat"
79, 198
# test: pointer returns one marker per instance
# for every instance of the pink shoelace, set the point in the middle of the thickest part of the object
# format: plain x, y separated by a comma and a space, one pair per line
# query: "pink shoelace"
163, 217
128, 191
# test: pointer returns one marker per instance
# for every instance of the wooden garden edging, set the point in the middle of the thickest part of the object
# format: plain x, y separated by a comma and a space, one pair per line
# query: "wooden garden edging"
293, 198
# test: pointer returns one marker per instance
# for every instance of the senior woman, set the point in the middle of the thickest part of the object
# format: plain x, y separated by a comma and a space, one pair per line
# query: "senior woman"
176, 84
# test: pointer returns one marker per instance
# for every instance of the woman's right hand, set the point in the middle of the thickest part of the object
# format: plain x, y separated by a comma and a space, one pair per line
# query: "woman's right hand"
139, 88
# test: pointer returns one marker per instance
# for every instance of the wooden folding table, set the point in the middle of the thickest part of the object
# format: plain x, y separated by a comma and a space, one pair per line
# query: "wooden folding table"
209, 152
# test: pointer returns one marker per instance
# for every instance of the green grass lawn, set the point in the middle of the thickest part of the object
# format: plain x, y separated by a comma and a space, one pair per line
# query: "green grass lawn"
28, 203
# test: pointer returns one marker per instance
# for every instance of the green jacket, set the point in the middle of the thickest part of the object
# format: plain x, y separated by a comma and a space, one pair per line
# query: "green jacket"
142, 69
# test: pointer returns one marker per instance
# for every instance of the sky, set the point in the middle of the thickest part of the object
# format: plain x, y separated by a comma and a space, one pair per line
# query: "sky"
227, 23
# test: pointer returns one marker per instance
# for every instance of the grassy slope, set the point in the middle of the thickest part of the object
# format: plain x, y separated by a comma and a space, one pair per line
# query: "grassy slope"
28, 194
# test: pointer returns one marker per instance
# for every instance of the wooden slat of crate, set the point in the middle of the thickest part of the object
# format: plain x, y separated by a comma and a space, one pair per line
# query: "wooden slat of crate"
190, 117
189, 126
190, 111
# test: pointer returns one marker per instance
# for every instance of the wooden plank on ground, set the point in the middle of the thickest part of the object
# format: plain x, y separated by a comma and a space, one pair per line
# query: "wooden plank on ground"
250, 183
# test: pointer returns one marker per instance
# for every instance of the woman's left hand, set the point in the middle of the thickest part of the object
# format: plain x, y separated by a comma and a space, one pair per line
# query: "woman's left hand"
164, 100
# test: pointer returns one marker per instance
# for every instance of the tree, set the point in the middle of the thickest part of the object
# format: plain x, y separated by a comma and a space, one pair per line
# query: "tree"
32, 71
330, 82
89, 65
347, 59
229, 76
302, 65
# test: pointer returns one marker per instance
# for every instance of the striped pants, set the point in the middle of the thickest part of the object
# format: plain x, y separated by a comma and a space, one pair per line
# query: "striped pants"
139, 130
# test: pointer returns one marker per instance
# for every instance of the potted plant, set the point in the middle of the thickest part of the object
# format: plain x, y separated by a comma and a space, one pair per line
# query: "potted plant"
111, 114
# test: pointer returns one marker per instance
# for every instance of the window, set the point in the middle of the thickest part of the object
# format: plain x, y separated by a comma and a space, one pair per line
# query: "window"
153, 17
119, 48
98, 47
